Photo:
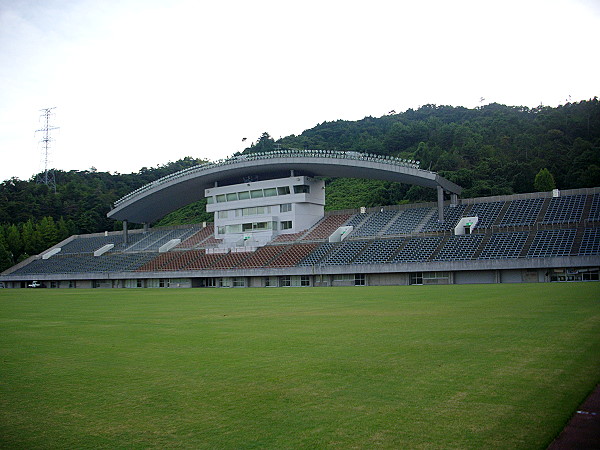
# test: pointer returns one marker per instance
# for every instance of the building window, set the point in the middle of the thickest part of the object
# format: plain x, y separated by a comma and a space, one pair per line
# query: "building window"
270, 192
304, 280
257, 193
253, 211
232, 197
221, 198
285, 281
259, 226
283, 190
360, 279
286, 225
239, 282
416, 278
431, 275
286, 207
223, 214
210, 200
592, 275
237, 228
301, 189
53, 285
343, 277
163, 283
139, 283
245, 195
72, 284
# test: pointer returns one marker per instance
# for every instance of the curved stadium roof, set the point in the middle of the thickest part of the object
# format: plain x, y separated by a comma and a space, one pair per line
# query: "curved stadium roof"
154, 200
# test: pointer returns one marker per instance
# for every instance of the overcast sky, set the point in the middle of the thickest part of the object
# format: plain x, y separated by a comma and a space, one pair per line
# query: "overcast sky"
139, 83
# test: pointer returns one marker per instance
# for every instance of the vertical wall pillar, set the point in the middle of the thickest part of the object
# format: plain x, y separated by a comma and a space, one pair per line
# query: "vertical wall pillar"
454, 199
125, 237
145, 227
440, 201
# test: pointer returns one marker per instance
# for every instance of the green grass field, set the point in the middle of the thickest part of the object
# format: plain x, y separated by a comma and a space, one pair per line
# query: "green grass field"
488, 366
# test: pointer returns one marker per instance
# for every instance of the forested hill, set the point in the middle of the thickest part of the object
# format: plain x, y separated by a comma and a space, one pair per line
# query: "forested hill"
494, 149
34, 217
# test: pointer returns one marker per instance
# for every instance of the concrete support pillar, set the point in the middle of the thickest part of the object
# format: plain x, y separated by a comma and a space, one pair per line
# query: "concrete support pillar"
454, 199
125, 236
292, 173
145, 227
440, 201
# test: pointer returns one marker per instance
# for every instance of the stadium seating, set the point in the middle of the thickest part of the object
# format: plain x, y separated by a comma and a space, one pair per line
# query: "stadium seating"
292, 255
408, 221
373, 224
590, 243
344, 253
547, 243
198, 237
504, 245
70, 264
594, 215
154, 239
522, 212
417, 249
452, 215
552, 227
326, 226
459, 248
565, 209
379, 251
487, 213
89, 244
261, 257
315, 256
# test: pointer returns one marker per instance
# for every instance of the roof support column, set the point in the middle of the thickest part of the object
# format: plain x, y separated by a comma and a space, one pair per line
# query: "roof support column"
453, 199
125, 232
440, 202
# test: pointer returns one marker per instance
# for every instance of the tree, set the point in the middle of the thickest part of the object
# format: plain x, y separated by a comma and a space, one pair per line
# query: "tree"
48, 231
544, 181
14, 244
32, 239
265, 143
5, 258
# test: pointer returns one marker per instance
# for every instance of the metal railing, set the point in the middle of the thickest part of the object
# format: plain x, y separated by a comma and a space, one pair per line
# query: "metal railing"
289, 153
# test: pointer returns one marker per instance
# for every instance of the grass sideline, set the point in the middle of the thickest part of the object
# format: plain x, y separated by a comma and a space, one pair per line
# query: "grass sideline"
472, 366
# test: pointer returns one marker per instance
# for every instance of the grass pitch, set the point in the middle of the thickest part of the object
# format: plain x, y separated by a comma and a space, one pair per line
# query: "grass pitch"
487, 366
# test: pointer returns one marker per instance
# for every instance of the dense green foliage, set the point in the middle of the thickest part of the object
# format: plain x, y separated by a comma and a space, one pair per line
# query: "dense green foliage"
494, 149
474, 366
34, 217
544, 181
491, 150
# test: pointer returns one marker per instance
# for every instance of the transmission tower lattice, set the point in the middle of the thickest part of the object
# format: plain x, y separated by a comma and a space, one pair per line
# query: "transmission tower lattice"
47, 175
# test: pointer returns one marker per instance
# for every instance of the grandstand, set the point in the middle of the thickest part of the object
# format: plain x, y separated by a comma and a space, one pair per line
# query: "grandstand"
537, 237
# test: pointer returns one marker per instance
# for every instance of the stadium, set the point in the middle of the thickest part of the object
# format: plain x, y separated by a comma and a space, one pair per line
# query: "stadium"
271, 230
